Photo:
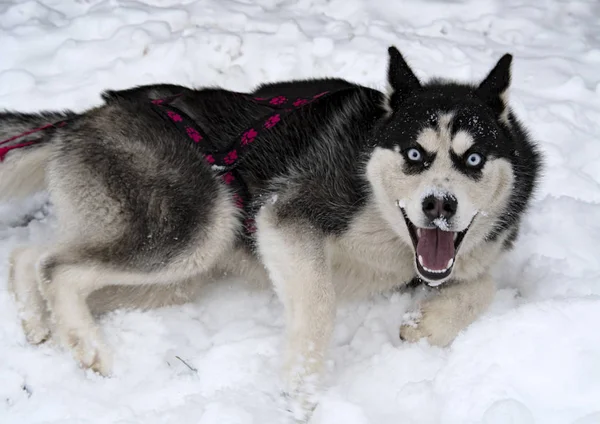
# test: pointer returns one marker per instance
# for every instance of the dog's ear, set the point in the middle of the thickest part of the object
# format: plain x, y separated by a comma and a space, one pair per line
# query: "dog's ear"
401, 79
494, 88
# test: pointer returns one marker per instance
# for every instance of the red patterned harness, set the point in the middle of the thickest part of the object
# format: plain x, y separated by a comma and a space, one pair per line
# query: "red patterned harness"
224, 162
4, 150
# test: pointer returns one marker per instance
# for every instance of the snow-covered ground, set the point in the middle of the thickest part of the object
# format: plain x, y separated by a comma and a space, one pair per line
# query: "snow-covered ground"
533, 358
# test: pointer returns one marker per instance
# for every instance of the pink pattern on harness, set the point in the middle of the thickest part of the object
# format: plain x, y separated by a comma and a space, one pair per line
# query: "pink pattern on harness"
231, 157
272, 121
175, 117
238, 200
279, 100
316, 96
228, 178
300, 102
249, 136
193, 133
4, 150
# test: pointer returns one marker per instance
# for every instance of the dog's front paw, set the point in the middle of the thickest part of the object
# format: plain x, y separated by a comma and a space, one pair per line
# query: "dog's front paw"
301, 391
88, 349
300, 405
435, 322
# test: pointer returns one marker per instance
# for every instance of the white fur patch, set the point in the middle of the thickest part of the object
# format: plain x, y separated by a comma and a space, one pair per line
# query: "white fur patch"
436, 139
462, 142
429, 139
23, 173
504, 114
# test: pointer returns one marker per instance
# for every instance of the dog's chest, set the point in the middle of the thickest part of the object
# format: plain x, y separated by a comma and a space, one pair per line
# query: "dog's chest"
369, 258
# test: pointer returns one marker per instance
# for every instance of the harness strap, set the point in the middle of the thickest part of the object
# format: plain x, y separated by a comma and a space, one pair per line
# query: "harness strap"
241, 144
197, 135
228, 159
225, 162
4, 150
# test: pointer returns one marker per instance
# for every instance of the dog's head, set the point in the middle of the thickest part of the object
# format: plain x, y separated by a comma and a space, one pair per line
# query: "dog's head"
442, 169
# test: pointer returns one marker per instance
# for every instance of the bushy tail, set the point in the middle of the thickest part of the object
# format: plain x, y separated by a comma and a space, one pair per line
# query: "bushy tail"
25, 146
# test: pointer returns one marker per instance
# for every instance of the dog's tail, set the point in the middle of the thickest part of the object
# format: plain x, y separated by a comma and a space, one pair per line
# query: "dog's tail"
25, 147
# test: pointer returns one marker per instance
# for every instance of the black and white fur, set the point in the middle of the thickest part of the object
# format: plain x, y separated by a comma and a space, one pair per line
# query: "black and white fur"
144, 221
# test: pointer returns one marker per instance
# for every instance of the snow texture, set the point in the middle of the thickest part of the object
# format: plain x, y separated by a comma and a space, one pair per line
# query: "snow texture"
534, 357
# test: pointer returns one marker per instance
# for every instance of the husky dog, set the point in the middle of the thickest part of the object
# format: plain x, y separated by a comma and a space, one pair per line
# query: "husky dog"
344, 191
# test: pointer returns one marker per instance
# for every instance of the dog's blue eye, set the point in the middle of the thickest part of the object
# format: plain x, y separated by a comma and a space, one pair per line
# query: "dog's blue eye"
474, 159
414, 155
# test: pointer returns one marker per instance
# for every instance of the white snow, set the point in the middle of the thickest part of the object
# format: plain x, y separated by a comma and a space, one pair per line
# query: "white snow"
533, 358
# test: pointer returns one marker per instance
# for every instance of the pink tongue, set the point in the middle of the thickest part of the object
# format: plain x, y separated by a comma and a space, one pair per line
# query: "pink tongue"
436, 247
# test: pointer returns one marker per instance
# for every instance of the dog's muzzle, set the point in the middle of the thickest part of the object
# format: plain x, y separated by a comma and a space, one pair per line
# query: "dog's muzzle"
435, 248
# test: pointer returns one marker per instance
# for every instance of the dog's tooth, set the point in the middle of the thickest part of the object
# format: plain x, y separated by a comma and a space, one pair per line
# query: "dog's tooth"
436, 271
450, 262
419, 232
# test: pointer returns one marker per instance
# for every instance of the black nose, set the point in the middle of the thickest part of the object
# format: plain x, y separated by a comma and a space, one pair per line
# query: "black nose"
436, 207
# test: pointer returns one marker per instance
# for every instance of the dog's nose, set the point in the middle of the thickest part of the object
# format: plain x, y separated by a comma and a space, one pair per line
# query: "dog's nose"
436, 207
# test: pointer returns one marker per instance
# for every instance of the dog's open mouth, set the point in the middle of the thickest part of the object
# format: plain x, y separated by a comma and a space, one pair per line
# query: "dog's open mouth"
435, 250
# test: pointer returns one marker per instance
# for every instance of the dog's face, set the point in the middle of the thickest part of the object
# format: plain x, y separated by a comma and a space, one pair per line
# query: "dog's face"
441, 171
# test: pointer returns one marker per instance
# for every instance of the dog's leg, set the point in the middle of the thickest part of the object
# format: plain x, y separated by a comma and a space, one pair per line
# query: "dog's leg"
294, 256
66, 283
72, 271
145, 297
445, 314
66, 288
22, 282
33, 308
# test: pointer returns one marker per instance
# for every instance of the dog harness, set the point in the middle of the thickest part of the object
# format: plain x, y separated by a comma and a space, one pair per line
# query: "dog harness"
223, 162
45, 128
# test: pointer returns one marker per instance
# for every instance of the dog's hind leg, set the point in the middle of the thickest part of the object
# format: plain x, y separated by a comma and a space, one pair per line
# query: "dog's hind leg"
69, 273
33, 308
134, 209
145, 297
294, 255
22, 282
67, 281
